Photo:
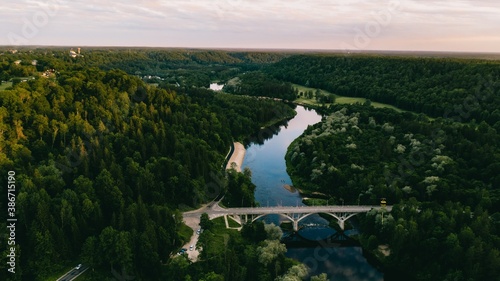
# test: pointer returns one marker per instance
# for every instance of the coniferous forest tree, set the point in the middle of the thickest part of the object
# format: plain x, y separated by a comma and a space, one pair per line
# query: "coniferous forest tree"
105, 161
459, 89
440, 173
110, 147
441, 176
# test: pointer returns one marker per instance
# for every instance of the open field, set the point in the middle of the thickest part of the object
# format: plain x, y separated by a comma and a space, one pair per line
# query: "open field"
185, 232
338, 99
4, 86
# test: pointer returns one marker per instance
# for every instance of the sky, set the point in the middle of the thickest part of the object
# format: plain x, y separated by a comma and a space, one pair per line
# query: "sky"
413, 25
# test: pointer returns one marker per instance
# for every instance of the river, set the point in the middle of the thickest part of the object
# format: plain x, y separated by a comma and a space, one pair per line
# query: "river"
266, 159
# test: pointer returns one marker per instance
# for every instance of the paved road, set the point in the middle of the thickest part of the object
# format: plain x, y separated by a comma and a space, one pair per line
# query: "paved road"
216, 210
72, 274
192, 219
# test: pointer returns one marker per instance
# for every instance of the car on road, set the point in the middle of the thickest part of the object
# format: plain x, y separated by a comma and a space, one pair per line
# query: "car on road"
182, 251
78, 266
191, 247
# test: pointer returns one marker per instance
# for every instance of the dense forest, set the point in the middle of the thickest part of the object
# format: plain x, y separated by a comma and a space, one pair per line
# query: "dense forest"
110, 146
104, 162
253, 254
459, 89
182, 67
442, 175
259, 84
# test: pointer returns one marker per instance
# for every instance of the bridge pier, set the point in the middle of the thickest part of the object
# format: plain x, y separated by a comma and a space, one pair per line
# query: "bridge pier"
341, 224
293, 214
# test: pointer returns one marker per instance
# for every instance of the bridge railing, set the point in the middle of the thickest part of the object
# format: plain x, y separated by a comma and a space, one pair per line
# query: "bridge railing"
338, 208
319, 206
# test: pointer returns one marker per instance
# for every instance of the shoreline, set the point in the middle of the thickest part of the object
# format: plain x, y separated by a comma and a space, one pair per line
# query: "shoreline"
237, 157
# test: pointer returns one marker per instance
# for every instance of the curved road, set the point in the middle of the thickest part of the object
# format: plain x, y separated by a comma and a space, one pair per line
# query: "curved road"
73, 274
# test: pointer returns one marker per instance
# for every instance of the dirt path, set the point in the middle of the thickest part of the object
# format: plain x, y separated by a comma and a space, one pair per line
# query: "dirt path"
192, 218
193, 223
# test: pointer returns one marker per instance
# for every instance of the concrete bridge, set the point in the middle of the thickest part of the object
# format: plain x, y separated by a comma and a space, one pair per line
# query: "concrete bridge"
293, 214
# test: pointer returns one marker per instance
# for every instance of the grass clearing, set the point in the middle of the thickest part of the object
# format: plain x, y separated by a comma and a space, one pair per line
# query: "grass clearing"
216, 238
219, 225
232, 223
338, 99
5, 85
185, 233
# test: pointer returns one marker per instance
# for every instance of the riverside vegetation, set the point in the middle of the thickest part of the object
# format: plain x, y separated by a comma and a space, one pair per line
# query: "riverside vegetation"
105, 161
110, 147
441, 174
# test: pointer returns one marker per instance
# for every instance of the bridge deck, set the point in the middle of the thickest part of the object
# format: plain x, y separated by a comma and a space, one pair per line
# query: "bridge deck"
297, 210
294, 214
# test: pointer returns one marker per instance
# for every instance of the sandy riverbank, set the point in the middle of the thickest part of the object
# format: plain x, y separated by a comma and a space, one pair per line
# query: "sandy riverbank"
237, 157
289, 188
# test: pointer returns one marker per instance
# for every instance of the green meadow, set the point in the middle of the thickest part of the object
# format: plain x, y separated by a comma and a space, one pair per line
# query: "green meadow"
5, 85
338, 99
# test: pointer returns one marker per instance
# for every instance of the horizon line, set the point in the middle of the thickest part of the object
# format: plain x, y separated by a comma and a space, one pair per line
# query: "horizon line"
267, 49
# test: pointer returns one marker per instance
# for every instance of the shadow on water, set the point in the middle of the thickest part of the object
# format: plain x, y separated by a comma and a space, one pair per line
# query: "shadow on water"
341, 263
266, 133
314, 236
342, 260
324, 249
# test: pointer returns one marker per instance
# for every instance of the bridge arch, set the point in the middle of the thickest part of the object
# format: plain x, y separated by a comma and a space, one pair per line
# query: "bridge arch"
263, 215
292, 214
335, 215
340, 217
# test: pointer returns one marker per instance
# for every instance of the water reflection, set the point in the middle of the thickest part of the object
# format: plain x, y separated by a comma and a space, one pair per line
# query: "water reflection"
266, 134
340, 263
265, 157
315, 233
